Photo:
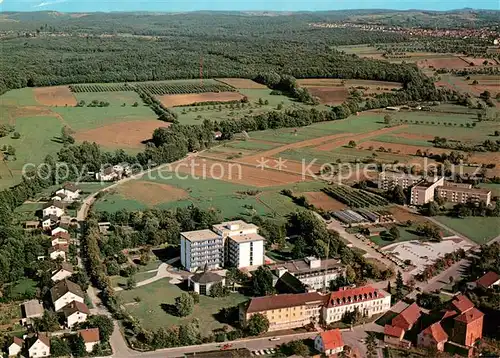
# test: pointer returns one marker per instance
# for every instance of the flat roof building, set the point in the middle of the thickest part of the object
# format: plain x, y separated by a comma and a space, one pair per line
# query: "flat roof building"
462, 193
423, 192
388, 180
201, 248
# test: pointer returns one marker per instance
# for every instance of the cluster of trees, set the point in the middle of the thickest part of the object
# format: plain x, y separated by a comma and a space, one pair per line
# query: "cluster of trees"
6, 129
313, 239
163, 113
440, 265
488, 259
429, 231
473, 208
486, 146
93, 103
286, 84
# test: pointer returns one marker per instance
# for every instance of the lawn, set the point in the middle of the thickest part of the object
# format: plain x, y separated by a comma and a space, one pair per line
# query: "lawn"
117, 281
495, 188
252, 145
19, 97
83, 118
38, 139
155, 298
478, 229
406, 234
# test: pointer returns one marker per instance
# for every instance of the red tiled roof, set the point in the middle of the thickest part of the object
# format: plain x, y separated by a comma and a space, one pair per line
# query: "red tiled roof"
393, 331
407, 317
462, 303
470, 316
266, 303
448, 313
45, 340
18, 341
332, 339
488, 279
61, 234
89, 335
436, 331
358, 294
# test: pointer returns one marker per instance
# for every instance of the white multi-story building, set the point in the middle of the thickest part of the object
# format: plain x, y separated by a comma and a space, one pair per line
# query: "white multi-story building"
245, 250
366, 299
201, 248
388, 180
311, 271
423, 192
236, 243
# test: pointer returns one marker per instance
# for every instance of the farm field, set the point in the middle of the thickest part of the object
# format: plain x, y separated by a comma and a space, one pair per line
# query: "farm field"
217, 112
55, 96
478, 229
241, 83
323, 201
157, 296
177, 100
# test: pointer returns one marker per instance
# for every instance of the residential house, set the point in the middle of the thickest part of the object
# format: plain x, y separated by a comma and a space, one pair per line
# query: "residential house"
49, 221
407, 318
286, 311
65, 270
115, 172
329, 342
69, 191
488, 280
15, 347
60, 238
366, 299
468, 327
313, 272
75, 312
30, 310
58, 230
65, 292
39, 346
53, 208
57, 251
393, 334
59, 197
31, 225
202, 282
433, 336
90, 337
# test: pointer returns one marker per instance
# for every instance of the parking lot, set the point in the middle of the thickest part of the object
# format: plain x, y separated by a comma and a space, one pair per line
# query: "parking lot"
422, 254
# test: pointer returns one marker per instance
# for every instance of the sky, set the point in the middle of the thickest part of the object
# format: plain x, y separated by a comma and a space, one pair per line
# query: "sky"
238, 5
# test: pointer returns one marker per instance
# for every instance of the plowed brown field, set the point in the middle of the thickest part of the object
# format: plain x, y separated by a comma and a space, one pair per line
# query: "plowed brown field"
55, 96
172, 100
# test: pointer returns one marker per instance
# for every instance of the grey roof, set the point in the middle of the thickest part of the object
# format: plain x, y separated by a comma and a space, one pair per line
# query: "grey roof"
288, 283
32, 308
206, 277
302, 267
56, 203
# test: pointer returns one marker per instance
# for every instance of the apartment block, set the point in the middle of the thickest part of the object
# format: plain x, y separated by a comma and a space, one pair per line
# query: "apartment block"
297, 310
423, 192
313, 272
201, 248
245, 250
235, 243
462, 193
389, 180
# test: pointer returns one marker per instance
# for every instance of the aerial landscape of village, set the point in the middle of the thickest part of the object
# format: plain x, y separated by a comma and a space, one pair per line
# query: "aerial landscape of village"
249, 183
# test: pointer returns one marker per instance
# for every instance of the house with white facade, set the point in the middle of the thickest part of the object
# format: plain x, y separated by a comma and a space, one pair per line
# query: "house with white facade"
15, 347
64, 292
49, 221
53, 208
65, 270
58, 230
329, 342
60, 238
75, 312
366, 299
313, 272
69, 193
90, 337
58, 251
39, 346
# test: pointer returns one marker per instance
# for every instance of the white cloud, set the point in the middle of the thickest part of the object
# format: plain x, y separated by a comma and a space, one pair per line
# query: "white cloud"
47, 3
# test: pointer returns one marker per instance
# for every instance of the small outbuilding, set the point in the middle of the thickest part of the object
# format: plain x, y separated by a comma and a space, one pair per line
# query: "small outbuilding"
202, 282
